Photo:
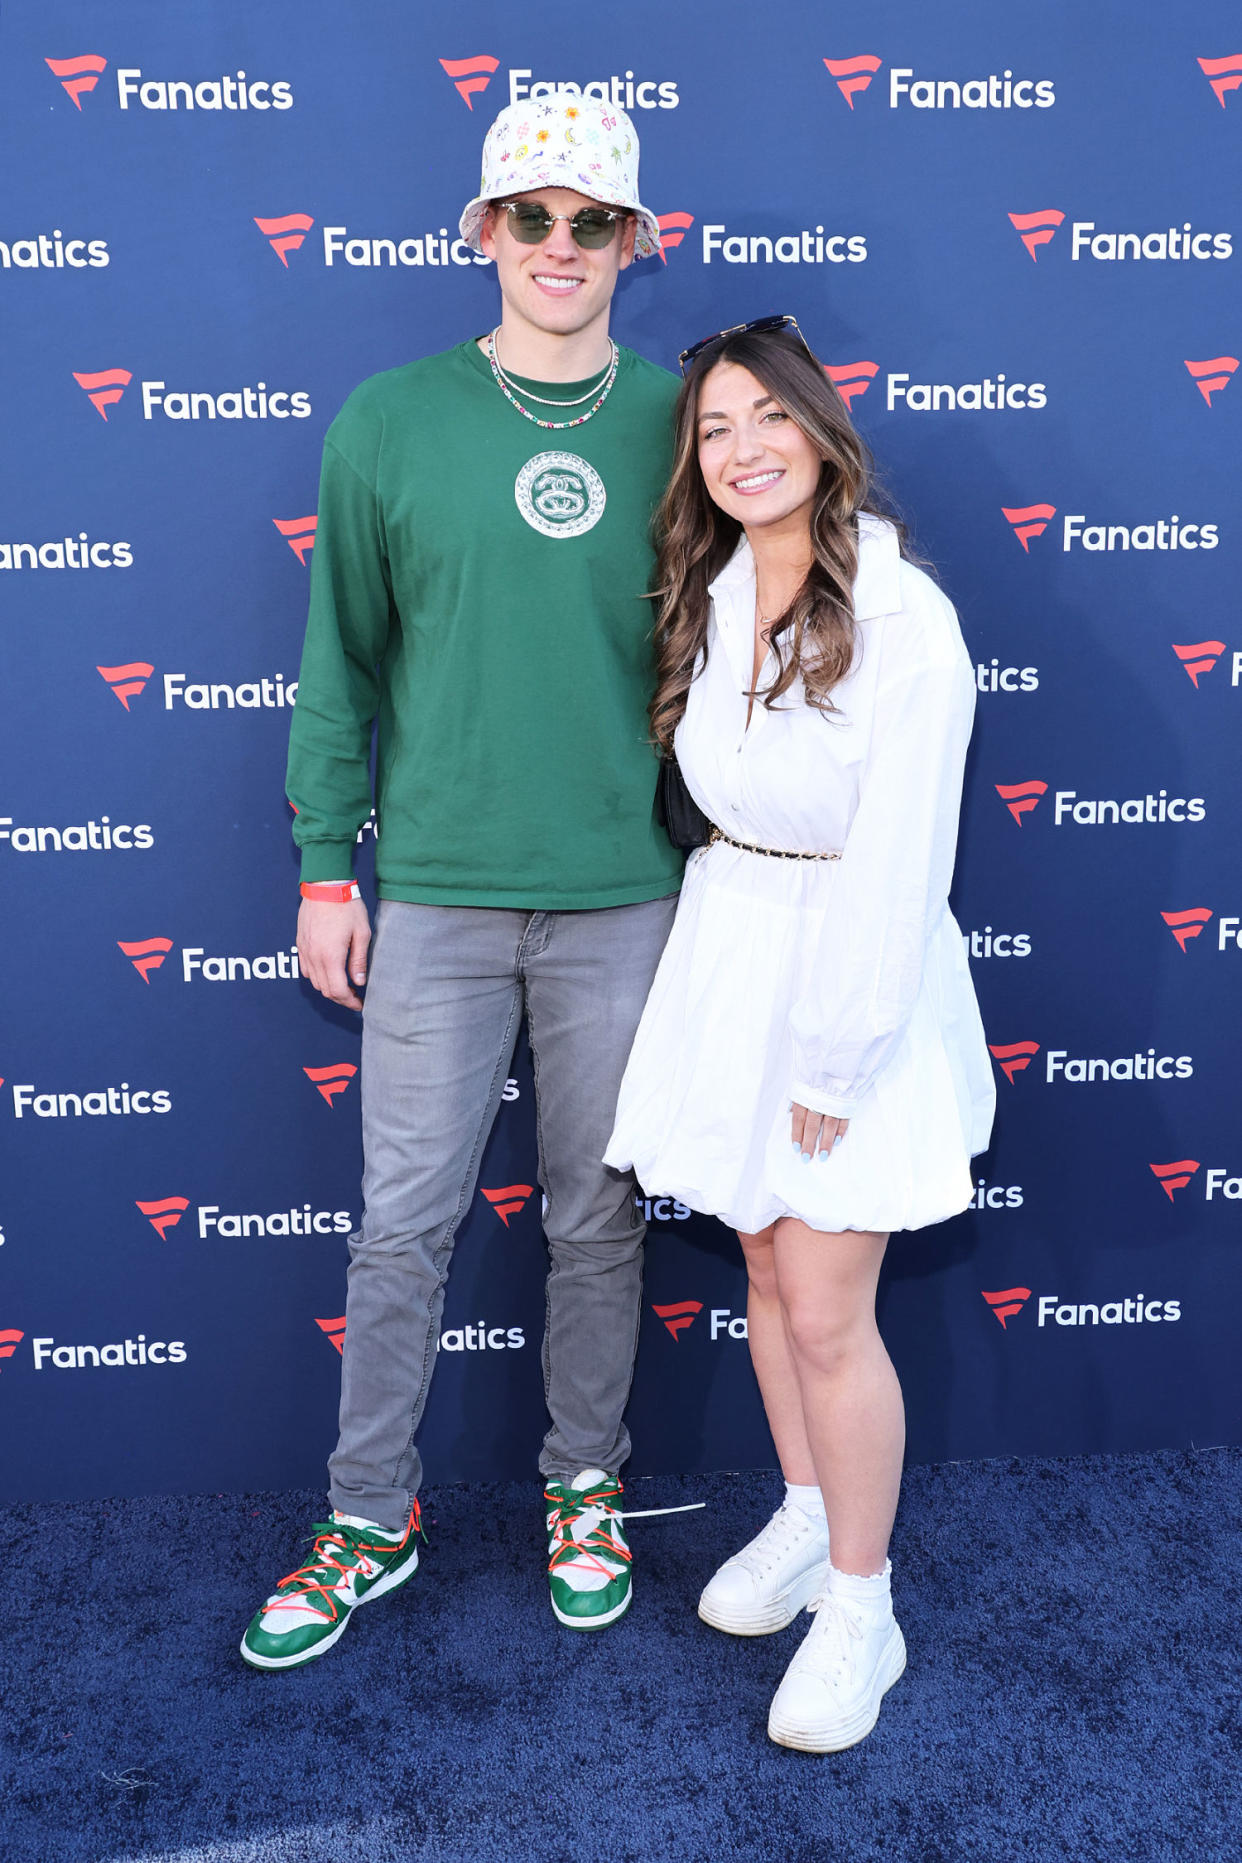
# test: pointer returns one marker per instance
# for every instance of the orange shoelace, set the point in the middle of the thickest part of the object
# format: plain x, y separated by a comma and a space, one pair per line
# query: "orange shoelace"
589, 1550
313, 1576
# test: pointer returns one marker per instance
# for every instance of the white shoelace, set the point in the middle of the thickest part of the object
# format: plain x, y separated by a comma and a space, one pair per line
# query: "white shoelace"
829, 1648
783, 1532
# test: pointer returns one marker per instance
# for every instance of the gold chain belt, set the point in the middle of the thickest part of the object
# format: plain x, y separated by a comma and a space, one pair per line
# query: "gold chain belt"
752, 847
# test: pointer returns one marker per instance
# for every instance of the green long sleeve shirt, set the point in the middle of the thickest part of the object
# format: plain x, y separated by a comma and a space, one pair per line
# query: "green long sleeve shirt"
478, 587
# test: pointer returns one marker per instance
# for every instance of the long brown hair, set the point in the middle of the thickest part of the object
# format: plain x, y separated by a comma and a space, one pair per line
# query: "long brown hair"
814, 638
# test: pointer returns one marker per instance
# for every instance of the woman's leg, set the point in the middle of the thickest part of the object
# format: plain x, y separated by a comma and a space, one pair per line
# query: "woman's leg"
852, 1412
773, 1359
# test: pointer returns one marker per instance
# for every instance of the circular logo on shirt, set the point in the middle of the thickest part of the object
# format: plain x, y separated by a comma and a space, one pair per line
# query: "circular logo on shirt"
559, 495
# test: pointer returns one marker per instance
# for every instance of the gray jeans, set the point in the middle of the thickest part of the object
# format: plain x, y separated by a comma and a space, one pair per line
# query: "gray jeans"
447, 990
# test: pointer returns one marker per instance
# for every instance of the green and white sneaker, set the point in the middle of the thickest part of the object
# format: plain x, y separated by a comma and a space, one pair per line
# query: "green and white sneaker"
588, 1559
352, 1562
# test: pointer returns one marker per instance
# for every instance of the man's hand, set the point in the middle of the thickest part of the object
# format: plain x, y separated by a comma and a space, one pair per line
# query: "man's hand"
816, 1132
332, 947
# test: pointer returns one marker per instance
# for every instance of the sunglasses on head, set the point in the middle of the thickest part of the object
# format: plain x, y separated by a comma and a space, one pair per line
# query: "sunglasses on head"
592, 227
755, 327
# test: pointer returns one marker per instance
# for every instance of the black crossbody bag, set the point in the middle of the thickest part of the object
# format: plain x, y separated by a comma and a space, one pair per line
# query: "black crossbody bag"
683, 820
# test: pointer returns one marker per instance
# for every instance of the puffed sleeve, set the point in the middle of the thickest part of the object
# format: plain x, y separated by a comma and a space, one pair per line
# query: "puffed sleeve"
897, 863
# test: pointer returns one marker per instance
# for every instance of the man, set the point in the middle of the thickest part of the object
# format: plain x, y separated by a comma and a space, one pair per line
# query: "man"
478, 586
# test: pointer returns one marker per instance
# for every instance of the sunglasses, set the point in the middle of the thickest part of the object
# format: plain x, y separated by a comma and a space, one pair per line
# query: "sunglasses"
592, 227
755, 327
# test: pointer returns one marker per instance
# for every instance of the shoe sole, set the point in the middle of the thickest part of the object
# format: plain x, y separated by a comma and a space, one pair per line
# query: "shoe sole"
389, 1582
780, 1614
591, 1623
890, 1669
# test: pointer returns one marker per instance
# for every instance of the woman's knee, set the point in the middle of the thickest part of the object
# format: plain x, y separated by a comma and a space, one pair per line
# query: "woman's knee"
827, 1335
760, 1256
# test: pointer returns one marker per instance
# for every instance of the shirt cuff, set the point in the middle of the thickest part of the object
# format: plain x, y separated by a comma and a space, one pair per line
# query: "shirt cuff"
819, 1100
327, 860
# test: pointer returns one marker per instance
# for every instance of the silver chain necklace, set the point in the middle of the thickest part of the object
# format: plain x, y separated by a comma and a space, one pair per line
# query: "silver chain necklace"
601, 394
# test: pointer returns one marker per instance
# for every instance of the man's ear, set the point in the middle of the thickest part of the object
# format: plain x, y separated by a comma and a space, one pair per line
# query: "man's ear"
487, 233
629, 232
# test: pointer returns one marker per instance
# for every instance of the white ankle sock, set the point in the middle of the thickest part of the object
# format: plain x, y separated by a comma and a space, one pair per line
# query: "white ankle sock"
807, 1499
873, 1591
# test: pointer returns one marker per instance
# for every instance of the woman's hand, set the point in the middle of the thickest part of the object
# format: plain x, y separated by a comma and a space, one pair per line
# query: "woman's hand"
815, 1133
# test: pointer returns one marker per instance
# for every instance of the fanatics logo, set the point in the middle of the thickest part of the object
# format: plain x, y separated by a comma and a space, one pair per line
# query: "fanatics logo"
1028, 521
1211, 376
147, 955
673, 229
851, 379
1174, 1176
165, 1214
1036, 229
83, 74
285, 235
1223, 74
10, 1339
299, 534
1013, 1056
471, 76
126, 681
335, 1331
104, 389
329, 1081
1198, 656
1006, 1302
1020, 798
509, 1199
853, 75
1186, 925
679, 1316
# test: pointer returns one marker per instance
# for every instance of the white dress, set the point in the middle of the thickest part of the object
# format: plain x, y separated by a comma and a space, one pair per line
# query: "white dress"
842, 985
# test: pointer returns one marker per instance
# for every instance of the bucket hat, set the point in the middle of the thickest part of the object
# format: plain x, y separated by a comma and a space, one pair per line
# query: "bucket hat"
563, 141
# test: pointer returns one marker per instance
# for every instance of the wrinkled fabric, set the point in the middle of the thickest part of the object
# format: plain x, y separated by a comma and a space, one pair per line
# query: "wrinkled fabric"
840, 984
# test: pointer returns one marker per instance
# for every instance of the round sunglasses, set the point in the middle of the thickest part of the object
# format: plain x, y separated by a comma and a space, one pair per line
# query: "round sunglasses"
592, 227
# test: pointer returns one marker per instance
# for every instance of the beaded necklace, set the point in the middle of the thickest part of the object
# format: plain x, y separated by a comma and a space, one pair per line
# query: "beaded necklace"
501, 381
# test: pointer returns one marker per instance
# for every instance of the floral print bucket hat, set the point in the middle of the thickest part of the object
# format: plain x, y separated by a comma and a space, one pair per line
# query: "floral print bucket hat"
563, 141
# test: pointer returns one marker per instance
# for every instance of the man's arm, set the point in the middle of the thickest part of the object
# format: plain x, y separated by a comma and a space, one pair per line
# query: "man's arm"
329, 778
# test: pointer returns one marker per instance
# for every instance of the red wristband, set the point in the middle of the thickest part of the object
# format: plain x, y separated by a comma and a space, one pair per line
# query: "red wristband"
336, 892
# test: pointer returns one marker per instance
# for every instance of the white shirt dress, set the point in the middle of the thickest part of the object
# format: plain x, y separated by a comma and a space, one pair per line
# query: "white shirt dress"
840, 984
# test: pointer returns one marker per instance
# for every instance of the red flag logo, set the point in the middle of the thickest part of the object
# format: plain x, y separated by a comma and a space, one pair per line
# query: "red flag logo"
1211, 376
1189, 924
329, 1081
147, 955
679, 1316
471, 76
299, 534
1199, 656
10, 1338
1020, 798
126, 681
851, 379
1036, 229
104, 389
1223, 74
285, 235
673, 229
853, 75
1174, 1176
1028, 521
1013, 1056
165, 1214
1006, 1302
335, 1331
83, 74
509, 1199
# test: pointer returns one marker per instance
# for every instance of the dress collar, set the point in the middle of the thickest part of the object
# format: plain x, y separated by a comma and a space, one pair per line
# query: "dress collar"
876, 586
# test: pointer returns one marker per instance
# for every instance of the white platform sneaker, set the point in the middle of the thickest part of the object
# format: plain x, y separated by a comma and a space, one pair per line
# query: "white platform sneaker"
831, 1692
763, 1587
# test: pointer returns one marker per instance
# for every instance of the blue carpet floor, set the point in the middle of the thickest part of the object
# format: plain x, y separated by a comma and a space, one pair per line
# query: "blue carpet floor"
1072, 1695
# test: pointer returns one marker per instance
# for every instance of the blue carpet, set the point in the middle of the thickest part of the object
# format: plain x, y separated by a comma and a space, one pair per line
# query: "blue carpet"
1072, 1694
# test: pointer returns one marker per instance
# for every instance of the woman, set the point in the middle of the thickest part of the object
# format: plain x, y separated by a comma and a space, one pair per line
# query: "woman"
810, 1066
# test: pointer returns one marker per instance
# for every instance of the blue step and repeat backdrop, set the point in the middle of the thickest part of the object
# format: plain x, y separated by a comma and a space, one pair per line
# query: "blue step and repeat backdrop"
1017, 242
